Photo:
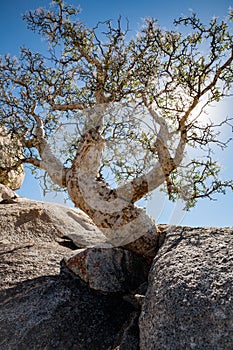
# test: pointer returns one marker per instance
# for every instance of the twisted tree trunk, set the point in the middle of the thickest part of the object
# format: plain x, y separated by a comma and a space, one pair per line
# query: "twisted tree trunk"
113, 211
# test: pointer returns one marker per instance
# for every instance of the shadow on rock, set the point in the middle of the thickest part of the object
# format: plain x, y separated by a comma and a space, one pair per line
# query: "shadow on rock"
60, 312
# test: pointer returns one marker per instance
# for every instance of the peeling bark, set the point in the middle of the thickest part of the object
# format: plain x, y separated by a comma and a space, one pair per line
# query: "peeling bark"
121, 221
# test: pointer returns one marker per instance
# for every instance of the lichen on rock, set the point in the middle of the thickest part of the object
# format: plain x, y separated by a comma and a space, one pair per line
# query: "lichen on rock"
189, 304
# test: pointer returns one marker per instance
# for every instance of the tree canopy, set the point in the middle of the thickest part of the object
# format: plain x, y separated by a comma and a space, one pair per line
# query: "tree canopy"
134, 104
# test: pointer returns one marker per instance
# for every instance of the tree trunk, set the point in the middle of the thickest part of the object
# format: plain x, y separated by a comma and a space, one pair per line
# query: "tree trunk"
120, 220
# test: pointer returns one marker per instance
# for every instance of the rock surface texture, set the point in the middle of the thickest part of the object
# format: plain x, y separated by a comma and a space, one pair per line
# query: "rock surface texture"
10, 152
26, 220
48, 305
44, 306
189, 302
109, 270
59, 312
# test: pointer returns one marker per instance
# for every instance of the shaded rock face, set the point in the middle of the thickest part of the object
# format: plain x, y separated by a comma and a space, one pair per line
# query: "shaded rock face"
189, 302
10, 152
59, 312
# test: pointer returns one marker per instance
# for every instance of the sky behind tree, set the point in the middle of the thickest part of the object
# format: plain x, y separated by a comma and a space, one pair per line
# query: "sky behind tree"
15, 34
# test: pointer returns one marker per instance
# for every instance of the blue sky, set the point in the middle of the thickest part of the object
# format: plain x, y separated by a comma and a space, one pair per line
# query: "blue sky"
14, 33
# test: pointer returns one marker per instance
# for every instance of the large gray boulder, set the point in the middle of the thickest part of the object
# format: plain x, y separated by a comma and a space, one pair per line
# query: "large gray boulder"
26, 220
11, 174
60, 312
189, 302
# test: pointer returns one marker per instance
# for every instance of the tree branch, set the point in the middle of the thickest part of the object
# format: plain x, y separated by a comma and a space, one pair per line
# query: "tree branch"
49, 162
68, 107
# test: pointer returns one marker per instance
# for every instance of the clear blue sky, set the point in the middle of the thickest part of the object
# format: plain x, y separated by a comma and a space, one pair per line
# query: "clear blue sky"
14, 34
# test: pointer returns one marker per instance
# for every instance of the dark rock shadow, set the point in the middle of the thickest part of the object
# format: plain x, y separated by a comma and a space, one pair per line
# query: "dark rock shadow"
61, 312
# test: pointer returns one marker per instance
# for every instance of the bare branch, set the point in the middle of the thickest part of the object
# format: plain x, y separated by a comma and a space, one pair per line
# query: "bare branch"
68, 107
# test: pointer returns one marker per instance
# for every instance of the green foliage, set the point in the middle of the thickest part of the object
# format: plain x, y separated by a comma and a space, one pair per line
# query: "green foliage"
152, 85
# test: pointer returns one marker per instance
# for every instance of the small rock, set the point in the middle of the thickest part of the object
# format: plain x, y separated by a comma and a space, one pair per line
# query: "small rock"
109, 270
6, 194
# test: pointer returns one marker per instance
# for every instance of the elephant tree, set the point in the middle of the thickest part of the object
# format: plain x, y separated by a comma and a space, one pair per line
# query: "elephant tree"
133, 104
